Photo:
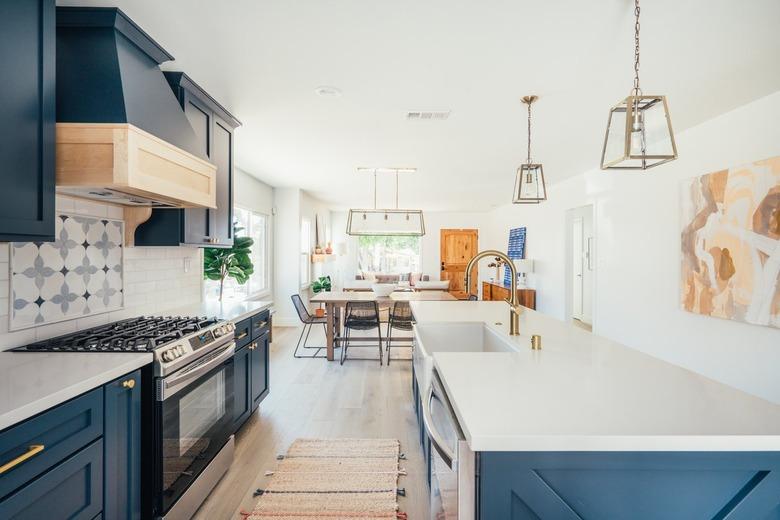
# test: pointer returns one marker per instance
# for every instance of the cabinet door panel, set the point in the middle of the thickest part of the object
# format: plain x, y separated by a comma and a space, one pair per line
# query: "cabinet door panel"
71, 490
27, 54
259, 361
196, 220
222, 156
242, 400
122, 448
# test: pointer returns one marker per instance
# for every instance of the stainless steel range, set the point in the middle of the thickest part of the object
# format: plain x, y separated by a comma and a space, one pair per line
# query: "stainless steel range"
192, 418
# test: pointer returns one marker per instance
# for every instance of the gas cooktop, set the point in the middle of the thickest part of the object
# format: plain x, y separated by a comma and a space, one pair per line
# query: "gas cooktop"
143, 334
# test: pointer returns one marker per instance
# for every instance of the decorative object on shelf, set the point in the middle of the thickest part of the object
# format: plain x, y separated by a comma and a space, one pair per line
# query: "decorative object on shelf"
515, 251
329, 249
317, 246
731, 244
639, 129
529, 182
387, 222
523, 266
497, 263
383, 289
233, 262
77, 275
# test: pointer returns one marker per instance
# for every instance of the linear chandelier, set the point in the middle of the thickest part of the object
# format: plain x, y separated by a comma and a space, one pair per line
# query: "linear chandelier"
389, 221
639, 129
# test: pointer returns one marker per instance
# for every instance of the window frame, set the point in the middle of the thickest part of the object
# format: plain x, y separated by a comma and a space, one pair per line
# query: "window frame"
420, 253
267, 290
305, 254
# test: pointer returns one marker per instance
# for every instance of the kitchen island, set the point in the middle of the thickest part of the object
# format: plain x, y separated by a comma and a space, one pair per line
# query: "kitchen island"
589, 428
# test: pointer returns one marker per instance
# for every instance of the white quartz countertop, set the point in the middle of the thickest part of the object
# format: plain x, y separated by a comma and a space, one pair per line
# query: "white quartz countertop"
32, 382
230, 311
582, 392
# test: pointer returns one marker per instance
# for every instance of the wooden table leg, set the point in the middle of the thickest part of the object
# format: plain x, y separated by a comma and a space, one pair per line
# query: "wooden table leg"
330, 312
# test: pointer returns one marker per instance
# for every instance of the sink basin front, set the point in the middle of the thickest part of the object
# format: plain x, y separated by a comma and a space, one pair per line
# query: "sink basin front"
451, 337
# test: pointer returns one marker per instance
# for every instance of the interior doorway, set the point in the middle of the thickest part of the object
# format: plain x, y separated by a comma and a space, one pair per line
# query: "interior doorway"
580, 266
458, 247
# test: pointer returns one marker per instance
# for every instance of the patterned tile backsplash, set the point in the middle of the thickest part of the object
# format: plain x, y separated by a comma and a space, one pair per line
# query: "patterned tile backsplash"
79, 274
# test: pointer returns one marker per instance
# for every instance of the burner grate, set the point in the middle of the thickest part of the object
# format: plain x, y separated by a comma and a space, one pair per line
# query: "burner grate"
142, 334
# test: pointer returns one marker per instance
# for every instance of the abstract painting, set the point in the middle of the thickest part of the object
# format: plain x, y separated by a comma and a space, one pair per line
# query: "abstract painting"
77, 275
515, 250
731, 244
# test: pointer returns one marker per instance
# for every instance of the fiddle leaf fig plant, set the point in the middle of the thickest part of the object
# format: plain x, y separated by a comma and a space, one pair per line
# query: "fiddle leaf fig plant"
233, 262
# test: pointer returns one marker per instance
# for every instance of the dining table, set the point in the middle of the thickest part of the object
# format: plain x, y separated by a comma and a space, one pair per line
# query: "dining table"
335, 301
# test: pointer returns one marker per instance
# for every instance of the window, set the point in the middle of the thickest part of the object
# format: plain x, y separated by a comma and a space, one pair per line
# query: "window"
254, 225
389, 254
305, 265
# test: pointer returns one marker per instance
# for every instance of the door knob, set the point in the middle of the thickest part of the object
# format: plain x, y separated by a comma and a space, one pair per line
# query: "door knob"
130, 384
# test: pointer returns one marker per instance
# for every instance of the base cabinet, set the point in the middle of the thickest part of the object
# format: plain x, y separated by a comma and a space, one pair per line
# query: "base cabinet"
79, 460
253, 338
636, 485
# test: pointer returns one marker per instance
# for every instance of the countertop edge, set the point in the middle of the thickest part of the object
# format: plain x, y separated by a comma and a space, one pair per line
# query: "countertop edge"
18, 415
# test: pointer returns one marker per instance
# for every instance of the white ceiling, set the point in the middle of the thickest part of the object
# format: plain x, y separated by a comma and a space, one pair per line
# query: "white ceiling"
264, 59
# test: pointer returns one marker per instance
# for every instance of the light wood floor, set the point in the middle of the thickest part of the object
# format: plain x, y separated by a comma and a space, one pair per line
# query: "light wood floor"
317, 398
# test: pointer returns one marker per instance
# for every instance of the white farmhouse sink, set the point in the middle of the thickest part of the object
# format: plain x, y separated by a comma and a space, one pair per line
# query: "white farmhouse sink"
452, 337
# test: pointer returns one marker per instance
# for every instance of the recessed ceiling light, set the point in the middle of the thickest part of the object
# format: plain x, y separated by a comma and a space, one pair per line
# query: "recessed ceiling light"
326, 91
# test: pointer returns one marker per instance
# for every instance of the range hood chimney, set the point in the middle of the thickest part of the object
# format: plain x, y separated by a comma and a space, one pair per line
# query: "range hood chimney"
122, 136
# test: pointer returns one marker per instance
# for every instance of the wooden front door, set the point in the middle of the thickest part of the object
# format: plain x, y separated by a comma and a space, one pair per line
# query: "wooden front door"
458, 246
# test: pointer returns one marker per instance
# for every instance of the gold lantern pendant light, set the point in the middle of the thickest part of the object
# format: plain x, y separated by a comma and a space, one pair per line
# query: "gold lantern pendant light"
529, 183
639, 129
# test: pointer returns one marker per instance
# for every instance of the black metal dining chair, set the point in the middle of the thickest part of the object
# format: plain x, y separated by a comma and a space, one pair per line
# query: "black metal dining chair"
473, 297
308, 321
400, 319
360, 316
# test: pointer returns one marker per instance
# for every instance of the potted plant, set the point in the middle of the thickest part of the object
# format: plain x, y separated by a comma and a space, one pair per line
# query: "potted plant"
219, 263
322, 283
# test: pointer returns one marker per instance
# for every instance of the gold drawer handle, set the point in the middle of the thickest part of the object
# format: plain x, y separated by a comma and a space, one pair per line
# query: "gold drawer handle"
242, 335
253, 345
31, 452
130, 383
261, 324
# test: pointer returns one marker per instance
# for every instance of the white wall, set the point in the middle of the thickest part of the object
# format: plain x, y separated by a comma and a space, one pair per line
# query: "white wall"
638, 252
287, 229
156, 279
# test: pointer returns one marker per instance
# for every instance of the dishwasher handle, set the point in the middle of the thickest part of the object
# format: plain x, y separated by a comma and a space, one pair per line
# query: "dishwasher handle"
437, 441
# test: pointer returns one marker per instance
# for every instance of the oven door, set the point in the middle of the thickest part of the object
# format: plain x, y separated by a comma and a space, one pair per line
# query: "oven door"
194, 416
452, 463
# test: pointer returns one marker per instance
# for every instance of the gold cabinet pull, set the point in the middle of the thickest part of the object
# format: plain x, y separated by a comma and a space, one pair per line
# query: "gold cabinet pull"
253, 345
242, 335
130, 383
32, 451
261, 324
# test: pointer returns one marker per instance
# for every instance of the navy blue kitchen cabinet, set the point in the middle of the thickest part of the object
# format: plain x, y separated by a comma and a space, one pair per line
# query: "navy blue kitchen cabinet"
213, 126
122, 448
242, 398
636, 485
27, 105
79, 460
259, 369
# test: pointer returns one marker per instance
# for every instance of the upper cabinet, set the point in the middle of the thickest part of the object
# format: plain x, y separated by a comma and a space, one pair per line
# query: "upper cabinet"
213, 126
27, 108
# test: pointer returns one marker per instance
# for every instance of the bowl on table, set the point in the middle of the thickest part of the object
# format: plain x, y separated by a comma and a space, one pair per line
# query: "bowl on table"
383, 289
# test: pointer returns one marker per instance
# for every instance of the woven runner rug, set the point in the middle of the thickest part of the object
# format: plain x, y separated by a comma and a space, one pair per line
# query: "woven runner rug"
333, 479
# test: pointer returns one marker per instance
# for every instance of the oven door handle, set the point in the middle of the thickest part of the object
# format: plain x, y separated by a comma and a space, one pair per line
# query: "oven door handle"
171, 385
437, 441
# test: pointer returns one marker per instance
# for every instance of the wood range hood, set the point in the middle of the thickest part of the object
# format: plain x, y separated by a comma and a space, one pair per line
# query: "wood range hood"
121, 134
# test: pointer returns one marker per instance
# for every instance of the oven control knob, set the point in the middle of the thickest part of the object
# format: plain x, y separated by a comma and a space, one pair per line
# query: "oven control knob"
230, 327
167, 356
219, 331
180, 350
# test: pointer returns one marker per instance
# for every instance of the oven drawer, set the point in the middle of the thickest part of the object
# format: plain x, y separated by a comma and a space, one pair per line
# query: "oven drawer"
243, 333
43, 441
260, 323
72, 489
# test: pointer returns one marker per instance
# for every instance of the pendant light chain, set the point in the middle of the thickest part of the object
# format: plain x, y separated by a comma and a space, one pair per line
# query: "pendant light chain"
637, 90
528, 159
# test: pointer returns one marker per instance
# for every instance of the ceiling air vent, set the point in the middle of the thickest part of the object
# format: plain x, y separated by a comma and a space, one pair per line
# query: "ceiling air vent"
428, 115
